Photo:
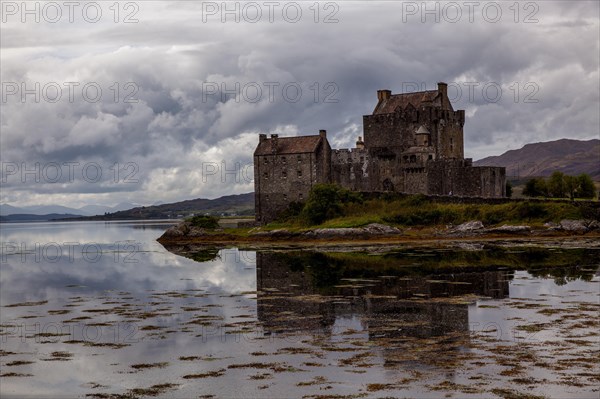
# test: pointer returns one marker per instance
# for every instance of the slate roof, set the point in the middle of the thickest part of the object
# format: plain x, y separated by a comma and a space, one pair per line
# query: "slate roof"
289, 145
403, 100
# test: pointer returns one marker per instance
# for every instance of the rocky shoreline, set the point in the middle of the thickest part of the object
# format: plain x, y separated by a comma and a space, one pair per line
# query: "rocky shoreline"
185, 233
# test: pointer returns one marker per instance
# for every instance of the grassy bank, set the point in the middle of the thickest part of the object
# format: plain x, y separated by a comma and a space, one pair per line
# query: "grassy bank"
418, 211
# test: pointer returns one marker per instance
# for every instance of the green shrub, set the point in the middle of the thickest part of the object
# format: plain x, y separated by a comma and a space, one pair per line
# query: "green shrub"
527, 210
536, 187
416, 200
493, 215
423, 217
204, 221
293, 210
472, 212
586, 187
509, 189
325, 202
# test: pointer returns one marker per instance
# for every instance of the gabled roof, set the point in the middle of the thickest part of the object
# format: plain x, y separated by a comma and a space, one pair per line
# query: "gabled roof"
289, 145
423, 130
403, 100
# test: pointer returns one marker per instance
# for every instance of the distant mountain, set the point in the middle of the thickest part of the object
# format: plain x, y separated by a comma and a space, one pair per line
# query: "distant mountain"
88, 210
242, 204
6, 209
35, 218
91, 210
571, 157
48, 209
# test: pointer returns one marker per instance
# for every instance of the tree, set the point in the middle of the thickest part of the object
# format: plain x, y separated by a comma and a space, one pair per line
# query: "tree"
556, 185
586, 187
204, 221
571, 183
325, 202
508, 189
536, 187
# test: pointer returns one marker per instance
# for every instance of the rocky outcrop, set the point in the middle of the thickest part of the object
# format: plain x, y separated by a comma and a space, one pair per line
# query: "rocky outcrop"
509, 229
475, 227
278, 233
576, 226
373, 229
185, 229
175, 231
469, 226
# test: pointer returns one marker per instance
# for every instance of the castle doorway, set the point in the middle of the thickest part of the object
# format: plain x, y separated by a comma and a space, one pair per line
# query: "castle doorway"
388, 185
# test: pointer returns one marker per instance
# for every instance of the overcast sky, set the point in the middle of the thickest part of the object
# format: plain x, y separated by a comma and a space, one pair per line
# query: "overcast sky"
162, 128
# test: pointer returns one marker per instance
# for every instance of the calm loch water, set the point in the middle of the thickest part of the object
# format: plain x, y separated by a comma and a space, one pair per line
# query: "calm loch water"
102, 310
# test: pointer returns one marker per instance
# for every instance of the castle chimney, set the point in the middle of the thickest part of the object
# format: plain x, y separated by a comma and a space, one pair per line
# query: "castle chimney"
323, 133
383, 95
274, 141
360, 144
443, 90
262, 137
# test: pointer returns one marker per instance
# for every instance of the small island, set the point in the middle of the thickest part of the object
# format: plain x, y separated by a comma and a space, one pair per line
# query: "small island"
333, 216
406, 181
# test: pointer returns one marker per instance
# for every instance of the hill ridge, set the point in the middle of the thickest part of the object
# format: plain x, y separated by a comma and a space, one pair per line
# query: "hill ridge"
569, 156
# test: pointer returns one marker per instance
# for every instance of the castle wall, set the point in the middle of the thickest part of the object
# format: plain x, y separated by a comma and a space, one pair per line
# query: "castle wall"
415, 179
396, 131
460, 178
350, 169
281, 179
412, 144
391, 130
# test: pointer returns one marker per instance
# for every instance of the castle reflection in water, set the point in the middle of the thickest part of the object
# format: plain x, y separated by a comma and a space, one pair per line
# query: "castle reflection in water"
308, 292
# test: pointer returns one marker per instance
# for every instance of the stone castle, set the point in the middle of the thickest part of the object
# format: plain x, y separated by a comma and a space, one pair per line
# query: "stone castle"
413, 143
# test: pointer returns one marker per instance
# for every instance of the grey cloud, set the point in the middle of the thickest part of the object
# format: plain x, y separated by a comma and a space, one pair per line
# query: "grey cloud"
170, 55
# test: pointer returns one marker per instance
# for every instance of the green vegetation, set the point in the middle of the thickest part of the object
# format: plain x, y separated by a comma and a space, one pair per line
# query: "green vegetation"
330, 268
325, 201
329, 206
204, 221
509, 189
559, 185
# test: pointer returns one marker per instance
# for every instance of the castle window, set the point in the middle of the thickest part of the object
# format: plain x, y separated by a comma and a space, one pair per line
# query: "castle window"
301, 196
362, 159
430, 157
283, 160
266, 175
267, 197
299, 173
285, 197
413, 158
284, 174
266, 161
299, 157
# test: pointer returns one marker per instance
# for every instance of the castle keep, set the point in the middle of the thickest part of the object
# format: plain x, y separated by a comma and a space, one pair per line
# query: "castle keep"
413, 143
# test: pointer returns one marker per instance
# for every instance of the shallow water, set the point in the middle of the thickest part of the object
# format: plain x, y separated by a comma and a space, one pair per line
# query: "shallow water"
98, 308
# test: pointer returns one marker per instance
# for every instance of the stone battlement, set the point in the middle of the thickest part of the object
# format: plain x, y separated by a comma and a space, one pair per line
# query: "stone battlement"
413, 143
